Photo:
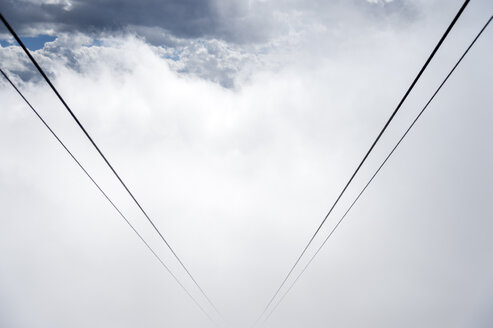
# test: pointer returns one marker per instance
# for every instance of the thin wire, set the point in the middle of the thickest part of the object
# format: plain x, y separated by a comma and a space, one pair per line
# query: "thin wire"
366, 156
105, 195
14, 34
381, 165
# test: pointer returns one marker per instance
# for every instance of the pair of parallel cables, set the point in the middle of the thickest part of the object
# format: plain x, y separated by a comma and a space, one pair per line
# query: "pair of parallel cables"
105, 195
290, 272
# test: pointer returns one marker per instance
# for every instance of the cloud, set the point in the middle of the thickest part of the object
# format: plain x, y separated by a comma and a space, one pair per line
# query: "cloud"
238, 178
240, 22
380, 1
189, 18
290, 32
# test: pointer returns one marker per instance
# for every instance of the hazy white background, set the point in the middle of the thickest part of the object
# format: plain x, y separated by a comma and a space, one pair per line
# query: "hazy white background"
237, 141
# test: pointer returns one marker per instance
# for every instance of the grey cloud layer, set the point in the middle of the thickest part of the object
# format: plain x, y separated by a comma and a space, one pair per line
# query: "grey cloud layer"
184, 18
187, 18
232, 21
220, 41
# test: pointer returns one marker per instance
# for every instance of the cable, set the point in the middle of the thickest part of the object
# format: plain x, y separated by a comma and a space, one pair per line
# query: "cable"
381, 165
366, 155
11, 30
105, 195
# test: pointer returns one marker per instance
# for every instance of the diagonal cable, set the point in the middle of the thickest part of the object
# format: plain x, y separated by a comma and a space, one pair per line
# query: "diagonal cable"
380, 167
366, 155
19, 41
105, 195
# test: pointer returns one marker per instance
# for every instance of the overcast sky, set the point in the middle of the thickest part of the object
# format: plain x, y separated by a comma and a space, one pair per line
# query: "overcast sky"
236, 124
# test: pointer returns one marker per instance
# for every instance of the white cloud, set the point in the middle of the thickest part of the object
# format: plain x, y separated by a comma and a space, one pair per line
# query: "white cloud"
380, 1
239, 178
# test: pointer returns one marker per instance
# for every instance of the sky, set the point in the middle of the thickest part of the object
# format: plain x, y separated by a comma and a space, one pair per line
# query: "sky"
236, 124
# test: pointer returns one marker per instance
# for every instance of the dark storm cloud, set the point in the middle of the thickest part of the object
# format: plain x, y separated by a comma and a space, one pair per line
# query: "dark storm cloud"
184, 19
